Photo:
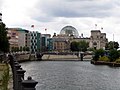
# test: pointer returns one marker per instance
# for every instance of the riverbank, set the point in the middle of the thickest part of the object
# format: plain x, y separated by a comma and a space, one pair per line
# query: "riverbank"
25, 57
113, 64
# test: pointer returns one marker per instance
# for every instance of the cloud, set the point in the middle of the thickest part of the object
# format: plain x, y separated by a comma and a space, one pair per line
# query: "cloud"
1, 4
77, 8
55, 14
48, 11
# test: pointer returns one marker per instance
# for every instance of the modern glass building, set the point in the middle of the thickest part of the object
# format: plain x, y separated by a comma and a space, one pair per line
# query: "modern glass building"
35, 42
50, 44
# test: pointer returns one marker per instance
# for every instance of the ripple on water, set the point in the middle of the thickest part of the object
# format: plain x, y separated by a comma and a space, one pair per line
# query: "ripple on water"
69, 75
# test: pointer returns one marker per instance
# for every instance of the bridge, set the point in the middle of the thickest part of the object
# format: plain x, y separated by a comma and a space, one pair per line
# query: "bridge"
54, 56
63, 56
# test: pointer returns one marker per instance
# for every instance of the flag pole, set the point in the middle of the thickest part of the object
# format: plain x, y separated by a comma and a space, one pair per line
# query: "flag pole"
32, 26
46, 30
95, 26
101, 28
113, 41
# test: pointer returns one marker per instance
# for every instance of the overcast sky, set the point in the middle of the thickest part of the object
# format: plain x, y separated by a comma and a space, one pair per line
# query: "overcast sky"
55, 14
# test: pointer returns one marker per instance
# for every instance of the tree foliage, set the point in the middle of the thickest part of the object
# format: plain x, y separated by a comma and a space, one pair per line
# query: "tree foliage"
26, 48
79, 46
21, 48
4, 43
98, 53
16, 49
83, 45
74, 46
112, 45
113, 55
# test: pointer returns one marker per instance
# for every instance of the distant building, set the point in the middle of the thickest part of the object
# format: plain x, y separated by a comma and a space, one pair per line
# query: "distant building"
50, 44
61, 43
38, 42
35, 42
68, 34
13, 35
24, 38
45, 42
18, 37
69, 31
97, 39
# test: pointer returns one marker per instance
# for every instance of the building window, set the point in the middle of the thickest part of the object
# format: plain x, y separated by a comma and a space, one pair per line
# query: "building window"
101, 37
94, 43
13, 33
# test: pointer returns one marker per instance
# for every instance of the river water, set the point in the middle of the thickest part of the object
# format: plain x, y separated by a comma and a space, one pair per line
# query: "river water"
72, 75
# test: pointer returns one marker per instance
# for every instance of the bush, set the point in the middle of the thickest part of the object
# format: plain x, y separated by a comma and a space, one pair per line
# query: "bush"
118, 60
104, 58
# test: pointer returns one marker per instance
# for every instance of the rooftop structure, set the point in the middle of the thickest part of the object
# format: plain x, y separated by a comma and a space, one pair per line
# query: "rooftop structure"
70, 31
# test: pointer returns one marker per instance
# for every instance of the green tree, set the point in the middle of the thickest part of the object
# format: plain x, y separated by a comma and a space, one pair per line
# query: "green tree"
113, 55
4, 43
111, 45
17, 49
74, 46
21, 49
83, 45
98, 53
27, 49
13, 49
24, 48
79, 46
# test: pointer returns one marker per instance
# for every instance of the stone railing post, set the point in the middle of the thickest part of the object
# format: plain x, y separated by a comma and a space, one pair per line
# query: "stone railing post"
20, 77
81, 56
29, 84
17, 66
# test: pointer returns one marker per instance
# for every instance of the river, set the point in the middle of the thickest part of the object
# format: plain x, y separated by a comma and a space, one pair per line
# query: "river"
72, 75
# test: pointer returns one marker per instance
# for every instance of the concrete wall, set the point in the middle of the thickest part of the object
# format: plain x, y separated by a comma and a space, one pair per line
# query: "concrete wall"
25, 57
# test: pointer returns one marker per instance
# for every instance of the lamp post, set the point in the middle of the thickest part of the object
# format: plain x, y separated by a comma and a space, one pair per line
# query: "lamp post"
113, 41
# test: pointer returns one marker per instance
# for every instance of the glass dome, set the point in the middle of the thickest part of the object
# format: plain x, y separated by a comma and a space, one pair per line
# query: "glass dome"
69, 30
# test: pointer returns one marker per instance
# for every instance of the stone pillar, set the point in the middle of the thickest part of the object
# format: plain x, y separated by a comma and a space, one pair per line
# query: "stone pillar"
29, 84
16, 62
17, 67
20, 77
81, 56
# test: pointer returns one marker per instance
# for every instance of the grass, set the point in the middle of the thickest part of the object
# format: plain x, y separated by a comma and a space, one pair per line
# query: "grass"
4, 76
